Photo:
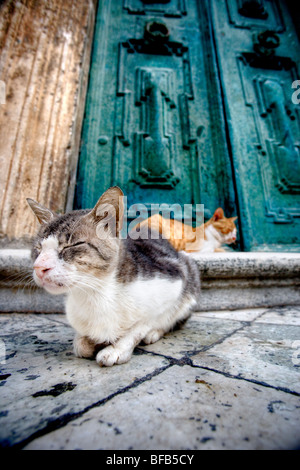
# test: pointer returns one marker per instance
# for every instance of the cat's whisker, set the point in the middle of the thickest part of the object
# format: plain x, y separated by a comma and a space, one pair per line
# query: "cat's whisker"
79, 281
87, 284
16, 276
22, 281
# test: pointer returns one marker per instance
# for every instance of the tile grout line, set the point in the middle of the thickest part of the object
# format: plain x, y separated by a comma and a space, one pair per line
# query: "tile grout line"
186, 359
254, 381
244, 324
237, 377
191, 353
53, 425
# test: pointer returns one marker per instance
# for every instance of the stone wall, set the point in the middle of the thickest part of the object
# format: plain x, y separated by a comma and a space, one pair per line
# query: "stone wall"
44, 61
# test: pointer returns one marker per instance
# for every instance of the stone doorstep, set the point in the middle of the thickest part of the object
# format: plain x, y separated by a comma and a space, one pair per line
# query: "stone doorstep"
229, 281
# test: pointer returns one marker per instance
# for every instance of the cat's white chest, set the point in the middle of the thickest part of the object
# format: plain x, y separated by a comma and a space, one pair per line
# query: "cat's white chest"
105, 314
95, 312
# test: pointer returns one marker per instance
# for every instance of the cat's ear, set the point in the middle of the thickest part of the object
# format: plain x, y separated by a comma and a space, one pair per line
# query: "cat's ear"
43, 214
219, 214
234, 218
109, 210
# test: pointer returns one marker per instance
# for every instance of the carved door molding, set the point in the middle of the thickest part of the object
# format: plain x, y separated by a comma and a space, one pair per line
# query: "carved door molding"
262, 63
190, 102
154, 122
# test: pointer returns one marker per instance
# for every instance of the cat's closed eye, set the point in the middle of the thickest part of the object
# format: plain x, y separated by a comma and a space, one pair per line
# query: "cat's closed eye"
74, 245
67, 252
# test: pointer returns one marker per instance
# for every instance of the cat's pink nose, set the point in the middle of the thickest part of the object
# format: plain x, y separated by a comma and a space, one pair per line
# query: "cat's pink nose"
40, 271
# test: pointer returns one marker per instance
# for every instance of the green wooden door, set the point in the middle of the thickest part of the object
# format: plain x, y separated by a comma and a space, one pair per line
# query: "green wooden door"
190, 102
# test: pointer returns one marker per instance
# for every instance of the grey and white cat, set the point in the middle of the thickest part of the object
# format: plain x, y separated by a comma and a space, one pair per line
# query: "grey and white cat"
119, 291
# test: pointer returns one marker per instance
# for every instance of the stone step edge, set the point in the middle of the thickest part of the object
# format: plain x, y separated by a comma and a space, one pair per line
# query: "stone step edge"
229, 280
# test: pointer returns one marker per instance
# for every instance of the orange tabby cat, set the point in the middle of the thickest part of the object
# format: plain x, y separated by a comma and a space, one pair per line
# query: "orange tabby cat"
206, 238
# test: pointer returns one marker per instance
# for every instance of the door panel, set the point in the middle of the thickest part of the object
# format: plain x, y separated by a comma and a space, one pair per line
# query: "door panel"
191, 102
258, 52
154, 122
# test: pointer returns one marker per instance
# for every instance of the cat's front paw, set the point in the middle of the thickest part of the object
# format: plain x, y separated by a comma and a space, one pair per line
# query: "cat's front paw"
112, 355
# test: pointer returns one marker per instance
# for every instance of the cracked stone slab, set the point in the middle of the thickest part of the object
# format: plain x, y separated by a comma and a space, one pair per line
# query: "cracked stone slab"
185, 408
282, 315
241, 315
41, 381
48, 397
200, 331
268, 350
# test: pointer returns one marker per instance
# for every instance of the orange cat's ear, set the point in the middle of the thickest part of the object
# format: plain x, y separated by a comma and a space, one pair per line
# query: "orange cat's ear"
234, 218
219, 214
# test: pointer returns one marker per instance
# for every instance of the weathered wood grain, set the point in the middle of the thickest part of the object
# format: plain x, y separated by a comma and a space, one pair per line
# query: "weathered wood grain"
45, 49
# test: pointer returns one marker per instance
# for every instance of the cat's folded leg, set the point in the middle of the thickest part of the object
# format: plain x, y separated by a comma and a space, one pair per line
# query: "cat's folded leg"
122, 350
153, 336
83, 346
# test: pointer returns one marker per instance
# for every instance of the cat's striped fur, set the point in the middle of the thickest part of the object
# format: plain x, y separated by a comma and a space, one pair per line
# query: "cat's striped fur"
119, 292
